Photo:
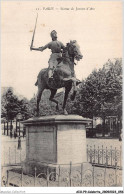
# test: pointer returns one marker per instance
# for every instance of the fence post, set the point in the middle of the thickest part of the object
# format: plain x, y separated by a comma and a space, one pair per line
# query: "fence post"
70, 174
15, 154
93, 175
111, 155
102, 153
116, 173
22, 177
59, 177
35, 171
115, 157
106, 156
94, 154
7, 178
9, 155
98, 155
87, 153
105, 176
81, 174
4, 155
47, 176
90, 154
120, 156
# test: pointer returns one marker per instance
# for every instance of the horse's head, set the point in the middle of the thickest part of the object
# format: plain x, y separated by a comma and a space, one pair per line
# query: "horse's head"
74, 50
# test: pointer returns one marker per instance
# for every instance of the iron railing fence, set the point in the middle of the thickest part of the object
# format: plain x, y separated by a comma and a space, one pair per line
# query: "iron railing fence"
13, 129
13, 154
64, 175
100, 156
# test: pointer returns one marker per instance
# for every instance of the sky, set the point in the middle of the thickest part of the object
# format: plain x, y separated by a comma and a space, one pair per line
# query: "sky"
97, 27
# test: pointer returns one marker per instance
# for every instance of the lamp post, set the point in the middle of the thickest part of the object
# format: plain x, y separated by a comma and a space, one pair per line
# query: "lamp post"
19, 118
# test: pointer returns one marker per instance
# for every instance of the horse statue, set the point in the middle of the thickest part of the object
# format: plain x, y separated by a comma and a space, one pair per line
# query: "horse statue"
63, 76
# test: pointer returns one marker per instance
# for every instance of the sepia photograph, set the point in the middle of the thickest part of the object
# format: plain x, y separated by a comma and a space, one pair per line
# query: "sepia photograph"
61, 96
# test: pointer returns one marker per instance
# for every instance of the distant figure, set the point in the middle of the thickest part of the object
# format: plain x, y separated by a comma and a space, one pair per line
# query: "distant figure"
120, 136
15, 134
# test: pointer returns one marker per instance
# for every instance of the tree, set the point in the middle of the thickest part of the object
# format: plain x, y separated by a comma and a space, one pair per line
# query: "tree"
101, 93
11, 105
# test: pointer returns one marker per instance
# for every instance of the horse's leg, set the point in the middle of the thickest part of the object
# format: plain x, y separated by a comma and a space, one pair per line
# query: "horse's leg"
53, 92
40, 91
74, 91
67, 90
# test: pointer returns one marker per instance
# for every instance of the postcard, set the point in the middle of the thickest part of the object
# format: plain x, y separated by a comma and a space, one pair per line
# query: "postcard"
61, 97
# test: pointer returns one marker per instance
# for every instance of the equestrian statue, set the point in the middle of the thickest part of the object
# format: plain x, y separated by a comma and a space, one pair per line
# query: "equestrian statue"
60, 72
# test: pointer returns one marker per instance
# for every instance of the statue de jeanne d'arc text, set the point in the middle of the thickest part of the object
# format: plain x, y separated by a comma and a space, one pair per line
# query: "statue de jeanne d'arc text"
60, 72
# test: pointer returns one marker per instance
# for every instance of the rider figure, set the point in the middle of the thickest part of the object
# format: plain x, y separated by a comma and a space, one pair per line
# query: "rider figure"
56, 49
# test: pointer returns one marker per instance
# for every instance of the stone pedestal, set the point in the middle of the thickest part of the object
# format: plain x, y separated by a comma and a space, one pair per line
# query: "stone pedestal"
55, 140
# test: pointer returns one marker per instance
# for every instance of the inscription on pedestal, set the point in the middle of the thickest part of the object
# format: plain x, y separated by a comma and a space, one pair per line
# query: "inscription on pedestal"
42, 144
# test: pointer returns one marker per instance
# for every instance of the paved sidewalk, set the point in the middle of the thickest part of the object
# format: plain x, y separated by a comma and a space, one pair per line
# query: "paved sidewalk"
9, 150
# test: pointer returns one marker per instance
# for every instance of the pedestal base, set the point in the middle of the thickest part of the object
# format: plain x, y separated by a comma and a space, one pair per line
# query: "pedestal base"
54, 172
55, 140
